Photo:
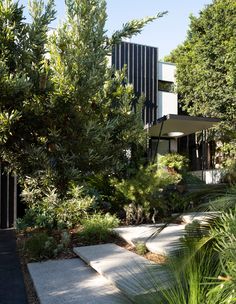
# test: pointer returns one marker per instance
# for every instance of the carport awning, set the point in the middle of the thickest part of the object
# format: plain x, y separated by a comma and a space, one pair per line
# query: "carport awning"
173, 126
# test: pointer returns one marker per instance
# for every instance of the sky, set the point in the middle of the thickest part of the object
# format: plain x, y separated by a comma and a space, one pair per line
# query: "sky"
165, 33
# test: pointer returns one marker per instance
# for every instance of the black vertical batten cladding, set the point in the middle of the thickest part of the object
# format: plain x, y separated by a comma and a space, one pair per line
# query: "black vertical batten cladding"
142, 72
10, 205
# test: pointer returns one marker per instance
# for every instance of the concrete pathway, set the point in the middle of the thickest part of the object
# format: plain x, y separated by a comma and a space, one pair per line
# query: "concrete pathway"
202, 217
164, 242
72, 282
132, 274
12, 288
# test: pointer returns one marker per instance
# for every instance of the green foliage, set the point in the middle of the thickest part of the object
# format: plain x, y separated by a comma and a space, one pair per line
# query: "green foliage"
204, 270
191, 277
65, 240
206, 74
70, 116
97, 227
133, 28
224, 201
40, 246
176, 201
189, 178
144, 191
48, 210
194, 231
225, 232
66, 117
106, 198
230, 171
136, 213
141, 248
173, 161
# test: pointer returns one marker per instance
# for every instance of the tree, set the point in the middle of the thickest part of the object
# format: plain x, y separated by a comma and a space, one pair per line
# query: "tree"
72, 116
23, 70
206, 70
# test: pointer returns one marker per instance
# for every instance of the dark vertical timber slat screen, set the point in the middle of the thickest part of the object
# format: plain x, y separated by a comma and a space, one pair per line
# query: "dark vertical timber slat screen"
8, 199
141, 62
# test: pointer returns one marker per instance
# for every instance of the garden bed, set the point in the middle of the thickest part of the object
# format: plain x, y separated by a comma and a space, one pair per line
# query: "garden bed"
68, 254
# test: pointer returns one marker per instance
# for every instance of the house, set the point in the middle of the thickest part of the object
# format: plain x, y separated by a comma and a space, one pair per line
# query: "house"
168, 129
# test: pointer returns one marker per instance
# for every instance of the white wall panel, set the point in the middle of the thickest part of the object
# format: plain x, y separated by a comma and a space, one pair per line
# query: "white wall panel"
167, 103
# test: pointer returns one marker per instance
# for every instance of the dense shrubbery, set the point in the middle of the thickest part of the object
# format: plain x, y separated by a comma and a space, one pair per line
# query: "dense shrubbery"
143, 193
148, 194
174, 161
41, 245
230, 171
97, 227
47, 210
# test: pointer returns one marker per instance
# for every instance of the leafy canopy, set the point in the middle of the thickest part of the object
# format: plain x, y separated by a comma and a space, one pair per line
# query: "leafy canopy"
64, 112
206, 70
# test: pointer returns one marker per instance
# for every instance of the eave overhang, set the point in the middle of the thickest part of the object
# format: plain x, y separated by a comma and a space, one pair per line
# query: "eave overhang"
175, 126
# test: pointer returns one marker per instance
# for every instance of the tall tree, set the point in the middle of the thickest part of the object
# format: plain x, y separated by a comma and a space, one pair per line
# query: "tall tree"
23, 69
72, 115
206, 69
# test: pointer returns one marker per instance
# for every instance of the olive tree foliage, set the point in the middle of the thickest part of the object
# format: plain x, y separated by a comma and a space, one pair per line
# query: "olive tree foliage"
206, 69
64, 112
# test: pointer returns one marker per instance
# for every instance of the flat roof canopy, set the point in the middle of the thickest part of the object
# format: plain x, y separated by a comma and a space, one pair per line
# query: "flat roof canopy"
173, 126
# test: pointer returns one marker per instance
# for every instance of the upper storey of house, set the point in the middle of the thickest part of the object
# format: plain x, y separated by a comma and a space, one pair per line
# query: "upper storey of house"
148, 76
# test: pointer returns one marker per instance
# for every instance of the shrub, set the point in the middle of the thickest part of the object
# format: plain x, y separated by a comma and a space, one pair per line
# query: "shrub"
174, 161
224, 232
48, 210
40, 246
230, 171
143, 193
97, 227
189, 178
141, 248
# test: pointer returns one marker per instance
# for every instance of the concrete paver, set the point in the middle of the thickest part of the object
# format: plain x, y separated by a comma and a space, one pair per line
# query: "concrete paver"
164, 242
167, 241
202, 217
132, 274
70, 281
135, 234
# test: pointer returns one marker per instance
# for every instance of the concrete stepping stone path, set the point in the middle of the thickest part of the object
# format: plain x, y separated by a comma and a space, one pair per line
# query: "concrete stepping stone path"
164, 242
202, 217
132, 274
72, 282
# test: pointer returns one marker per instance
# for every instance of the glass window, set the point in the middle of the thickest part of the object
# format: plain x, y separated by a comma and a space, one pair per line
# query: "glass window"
166, 86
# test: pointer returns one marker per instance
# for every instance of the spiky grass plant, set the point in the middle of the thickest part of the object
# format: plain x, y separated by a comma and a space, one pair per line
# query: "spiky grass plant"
204, 270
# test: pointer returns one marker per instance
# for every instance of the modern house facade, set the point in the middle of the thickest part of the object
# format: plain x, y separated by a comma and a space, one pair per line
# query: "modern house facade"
168, 129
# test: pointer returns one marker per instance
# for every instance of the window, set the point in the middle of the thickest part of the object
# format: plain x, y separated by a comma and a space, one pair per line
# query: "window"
166, 86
